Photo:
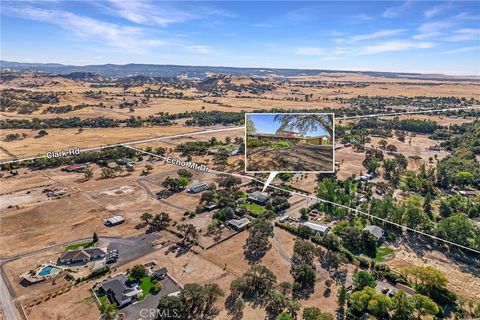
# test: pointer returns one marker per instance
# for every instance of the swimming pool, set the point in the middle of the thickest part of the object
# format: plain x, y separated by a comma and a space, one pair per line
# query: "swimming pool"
48, 270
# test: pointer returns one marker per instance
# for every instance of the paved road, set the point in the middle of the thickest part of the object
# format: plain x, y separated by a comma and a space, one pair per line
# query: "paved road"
6, 301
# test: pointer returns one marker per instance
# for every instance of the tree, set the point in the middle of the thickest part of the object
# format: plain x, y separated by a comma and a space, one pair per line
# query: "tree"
237, 308
314, 313
424, 305
277, 302
107, 173
88, 173
207, 196
413, 214
363, 279
391, 148
304, 252
389, 166
228, 182
138, 272
189, 233
108, 311
428, 279
285, 287
369, 300
372, 166
170, 307
160, 221
259, 280
283, 316
258, 241
304, 214
304, 276
146, 217
342, 295
402, 306
211, 292
250, 126
382, 143
95, 237
305, 123
184, 173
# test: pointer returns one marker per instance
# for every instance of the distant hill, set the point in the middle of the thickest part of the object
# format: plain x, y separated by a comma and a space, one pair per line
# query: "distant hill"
155, 70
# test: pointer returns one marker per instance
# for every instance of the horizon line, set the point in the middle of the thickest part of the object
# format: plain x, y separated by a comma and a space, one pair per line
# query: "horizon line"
250, 67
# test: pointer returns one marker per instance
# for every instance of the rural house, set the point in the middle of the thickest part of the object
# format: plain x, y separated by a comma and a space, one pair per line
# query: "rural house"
375, 231
80, 256
119, 292
317, 228
258, 197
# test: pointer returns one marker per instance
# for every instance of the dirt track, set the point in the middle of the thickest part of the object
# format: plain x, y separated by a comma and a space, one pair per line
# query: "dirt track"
296, 158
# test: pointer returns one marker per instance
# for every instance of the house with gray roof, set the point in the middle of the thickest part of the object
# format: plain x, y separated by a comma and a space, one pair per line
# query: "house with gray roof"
317, 228
258, 197
119, 292
239, 224
375, 231
81, 256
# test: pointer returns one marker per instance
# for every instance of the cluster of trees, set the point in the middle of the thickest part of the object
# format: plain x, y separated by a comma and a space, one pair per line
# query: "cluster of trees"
258, 241
157, 222
400, 306
209, 118
302, 267
25, 101
418, 101
65, 109
51, 123
175, 184
461, 169
194, 302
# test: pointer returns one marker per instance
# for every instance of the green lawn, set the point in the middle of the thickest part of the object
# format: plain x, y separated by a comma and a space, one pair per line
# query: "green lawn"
146, 285
254, 208
83, 245
103, 299
382, 253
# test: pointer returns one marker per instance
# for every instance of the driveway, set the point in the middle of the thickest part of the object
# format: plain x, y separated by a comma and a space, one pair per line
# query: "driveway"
297, 158
147, 308
131, 248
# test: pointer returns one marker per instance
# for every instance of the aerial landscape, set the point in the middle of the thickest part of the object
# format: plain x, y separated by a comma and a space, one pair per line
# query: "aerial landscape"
135, 184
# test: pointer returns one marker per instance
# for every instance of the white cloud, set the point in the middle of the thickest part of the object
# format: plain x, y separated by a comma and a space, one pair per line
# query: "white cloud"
464, 49
435, 26
142, 12
200, 49
465, 34
395, 45
435, 10
161, 12
395, 11
310, 51
427, 35
370, 36
81, 27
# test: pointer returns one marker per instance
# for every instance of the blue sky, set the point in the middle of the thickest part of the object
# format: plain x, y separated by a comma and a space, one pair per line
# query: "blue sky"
407, 36
265, 123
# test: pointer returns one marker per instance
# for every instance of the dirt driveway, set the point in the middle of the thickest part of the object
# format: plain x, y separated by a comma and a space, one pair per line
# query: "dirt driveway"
296, 158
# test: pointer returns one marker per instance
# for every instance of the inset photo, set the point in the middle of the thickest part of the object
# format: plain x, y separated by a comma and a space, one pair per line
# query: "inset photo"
289, 142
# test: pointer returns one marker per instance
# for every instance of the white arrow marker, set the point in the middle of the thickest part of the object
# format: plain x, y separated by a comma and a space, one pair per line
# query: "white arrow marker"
270, 179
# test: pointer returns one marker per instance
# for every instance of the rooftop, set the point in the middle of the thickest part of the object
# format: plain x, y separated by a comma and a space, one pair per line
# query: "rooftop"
316, 227
239, 223
375, 231
258, 196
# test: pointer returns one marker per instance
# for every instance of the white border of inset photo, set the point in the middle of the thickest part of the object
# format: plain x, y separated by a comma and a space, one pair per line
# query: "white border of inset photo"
333, 142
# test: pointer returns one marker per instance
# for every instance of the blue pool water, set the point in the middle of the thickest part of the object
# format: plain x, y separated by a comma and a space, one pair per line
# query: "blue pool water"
47, 270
